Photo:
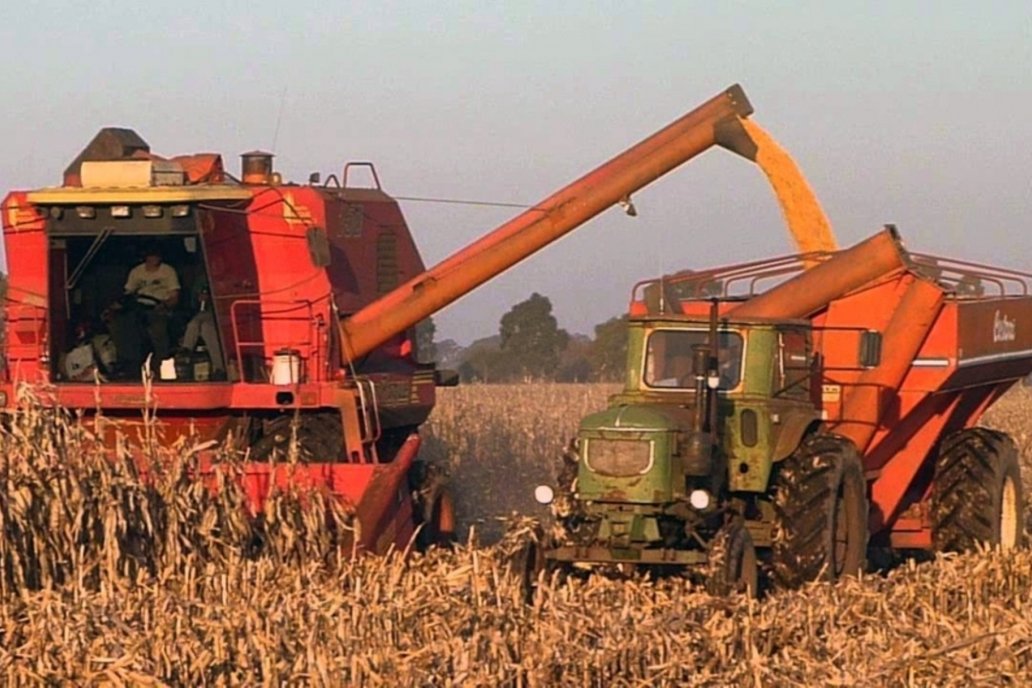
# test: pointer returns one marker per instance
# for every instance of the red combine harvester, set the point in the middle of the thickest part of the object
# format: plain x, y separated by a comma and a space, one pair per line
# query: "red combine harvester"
313, 292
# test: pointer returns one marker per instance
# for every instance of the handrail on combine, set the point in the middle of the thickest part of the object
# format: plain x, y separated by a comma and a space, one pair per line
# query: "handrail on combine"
281, 312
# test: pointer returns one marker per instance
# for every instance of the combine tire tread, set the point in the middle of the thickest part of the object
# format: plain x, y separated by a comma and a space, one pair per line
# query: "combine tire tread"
820, 506
320, 437
972, 468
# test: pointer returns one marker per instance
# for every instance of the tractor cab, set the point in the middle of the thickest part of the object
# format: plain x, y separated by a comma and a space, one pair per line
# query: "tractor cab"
706, 407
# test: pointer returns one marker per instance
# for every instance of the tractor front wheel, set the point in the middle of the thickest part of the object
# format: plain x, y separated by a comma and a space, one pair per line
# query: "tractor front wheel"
820, 507
976, 493
732, 566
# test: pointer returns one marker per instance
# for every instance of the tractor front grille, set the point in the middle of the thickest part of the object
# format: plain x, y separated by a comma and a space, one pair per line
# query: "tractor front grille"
620, 458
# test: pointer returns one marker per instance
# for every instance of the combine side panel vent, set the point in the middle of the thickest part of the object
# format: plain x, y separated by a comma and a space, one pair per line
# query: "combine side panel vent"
387, 269
352, 216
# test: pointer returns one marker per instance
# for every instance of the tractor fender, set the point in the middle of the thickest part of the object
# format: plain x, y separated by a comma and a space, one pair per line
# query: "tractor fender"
795, 427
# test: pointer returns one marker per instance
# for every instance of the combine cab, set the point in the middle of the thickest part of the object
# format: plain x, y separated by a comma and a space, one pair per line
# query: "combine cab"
799, 423
310, 293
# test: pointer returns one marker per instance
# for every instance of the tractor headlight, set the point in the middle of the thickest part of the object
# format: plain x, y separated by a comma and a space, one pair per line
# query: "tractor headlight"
699, 499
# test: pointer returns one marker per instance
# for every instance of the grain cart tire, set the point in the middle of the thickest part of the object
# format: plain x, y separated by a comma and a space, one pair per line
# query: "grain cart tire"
976, 492
732, 566
820, 513
320, 437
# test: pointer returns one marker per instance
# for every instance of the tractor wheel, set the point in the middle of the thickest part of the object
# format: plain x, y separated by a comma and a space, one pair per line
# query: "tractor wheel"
820, 513
976, 493
529, 563
732, 566
320, 437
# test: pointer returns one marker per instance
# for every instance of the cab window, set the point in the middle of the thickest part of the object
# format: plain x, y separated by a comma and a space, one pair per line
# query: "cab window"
794, 363
669, 354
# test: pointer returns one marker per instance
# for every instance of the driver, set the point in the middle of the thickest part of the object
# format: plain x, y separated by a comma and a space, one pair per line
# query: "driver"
152, 291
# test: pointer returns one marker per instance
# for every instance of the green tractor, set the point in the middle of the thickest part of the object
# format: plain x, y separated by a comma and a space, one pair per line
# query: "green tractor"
714, 458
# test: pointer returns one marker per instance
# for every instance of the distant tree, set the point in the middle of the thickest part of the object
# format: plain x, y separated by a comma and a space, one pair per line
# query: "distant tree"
531, 339
575, 362
481, 361
608, 354
426, 349
449, 353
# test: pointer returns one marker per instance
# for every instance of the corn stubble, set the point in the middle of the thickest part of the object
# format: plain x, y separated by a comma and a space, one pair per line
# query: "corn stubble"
107, 580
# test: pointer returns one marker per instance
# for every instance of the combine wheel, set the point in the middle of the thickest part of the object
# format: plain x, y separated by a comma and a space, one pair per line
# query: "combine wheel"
976, 493
320, 437
732, 567
820, 506
432, 505
438, 521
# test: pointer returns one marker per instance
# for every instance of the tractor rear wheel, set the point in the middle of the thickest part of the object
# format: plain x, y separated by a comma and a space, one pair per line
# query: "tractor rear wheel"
732, 566
976, 492
820, 507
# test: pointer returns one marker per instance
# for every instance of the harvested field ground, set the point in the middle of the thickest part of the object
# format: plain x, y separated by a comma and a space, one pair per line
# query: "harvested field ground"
187, 609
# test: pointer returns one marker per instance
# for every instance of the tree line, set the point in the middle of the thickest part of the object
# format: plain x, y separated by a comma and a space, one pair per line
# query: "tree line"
530, 345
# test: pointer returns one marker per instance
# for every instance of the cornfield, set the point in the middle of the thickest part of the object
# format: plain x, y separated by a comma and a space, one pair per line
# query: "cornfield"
107, 579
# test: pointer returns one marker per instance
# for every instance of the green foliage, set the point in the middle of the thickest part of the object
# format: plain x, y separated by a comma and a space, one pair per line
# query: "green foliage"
426, 350
608, 355
532, 340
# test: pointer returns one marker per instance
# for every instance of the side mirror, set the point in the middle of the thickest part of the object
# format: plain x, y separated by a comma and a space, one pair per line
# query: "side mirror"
870, 348
446, 378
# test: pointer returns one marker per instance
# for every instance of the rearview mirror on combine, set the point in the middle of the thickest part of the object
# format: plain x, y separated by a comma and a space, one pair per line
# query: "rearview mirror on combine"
870, 348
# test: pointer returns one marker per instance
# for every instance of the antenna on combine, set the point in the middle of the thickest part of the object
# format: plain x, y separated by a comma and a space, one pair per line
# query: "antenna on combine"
279, 118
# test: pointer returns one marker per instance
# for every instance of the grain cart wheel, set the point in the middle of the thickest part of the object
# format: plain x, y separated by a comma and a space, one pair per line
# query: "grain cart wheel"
976, 493
820, 507
732, 567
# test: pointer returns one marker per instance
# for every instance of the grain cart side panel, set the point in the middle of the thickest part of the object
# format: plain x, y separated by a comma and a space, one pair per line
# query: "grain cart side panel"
994, 340
977, 349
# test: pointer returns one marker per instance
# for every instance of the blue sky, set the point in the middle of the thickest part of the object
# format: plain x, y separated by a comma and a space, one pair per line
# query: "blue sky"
914, 113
